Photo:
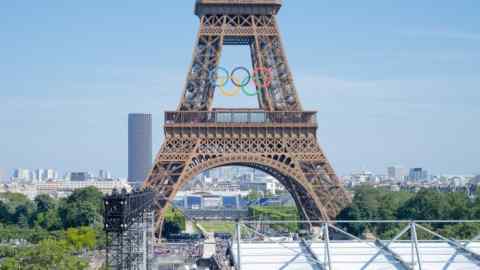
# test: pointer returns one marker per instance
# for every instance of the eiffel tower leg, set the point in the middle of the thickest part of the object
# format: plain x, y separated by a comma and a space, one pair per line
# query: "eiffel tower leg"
281, 94
165, 175
199, 89
321, 177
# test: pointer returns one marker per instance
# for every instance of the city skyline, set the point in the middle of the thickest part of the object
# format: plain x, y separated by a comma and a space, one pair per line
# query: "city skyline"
227, 171
414, 104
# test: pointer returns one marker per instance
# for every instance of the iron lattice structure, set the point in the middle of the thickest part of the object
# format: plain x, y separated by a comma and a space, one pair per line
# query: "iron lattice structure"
129, 220
278, 138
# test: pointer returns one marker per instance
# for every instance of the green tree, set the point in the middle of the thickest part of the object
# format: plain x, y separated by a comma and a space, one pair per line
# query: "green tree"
16, 209
44, 203
83, 207
47, 255
7, 251
425, 205
174, 222
88, 194
10, 263
475, 207
49, 220
276, 213
389, 203
463, 231
81, 238
253, 195
77, 214
5, 215
458, 206
366, 205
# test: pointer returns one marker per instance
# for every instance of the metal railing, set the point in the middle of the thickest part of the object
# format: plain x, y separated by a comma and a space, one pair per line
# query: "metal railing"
235, 117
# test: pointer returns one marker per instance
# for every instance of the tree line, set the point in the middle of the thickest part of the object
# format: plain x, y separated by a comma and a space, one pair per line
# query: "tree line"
48, 233
427, 204
378, 204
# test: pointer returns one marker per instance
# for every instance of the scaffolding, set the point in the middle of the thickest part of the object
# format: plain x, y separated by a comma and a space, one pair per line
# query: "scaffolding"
128, 223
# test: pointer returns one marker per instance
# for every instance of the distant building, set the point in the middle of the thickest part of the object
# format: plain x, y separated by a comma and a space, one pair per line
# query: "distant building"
476, 179
208, 200
61, 189
51, 174
22, 174
139, 147
398, 173
79, 176
212, 201
418, 174
231, 201
40, 175
364, 177
225, 186
260, 187
104, 175
193, 202
457, 181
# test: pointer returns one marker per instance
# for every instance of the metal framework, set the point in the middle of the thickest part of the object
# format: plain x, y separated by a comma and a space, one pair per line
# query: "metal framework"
278, 138
128, 222
398, 253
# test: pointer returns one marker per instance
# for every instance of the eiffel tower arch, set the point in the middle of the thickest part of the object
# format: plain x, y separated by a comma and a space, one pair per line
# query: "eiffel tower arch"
278, 138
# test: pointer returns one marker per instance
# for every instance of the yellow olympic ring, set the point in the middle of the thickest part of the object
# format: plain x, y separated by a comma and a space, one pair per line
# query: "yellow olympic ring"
231, 93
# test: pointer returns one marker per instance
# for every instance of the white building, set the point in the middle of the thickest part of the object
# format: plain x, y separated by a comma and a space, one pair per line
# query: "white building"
273, 186
364, 177
26, 189
51, 174
60, 189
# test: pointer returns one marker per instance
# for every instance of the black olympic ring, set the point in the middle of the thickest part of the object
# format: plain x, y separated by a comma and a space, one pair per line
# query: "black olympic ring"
262, 78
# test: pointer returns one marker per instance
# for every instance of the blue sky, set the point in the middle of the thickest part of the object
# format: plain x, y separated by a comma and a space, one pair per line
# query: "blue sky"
394, 82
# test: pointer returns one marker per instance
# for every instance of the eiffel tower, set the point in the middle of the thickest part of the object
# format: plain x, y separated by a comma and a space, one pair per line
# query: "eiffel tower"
278, 138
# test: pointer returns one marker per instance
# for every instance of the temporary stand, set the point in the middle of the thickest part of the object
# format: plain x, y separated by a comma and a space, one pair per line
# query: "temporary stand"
128, 225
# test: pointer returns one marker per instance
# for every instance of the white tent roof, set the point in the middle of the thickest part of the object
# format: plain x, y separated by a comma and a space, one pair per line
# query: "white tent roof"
351, 255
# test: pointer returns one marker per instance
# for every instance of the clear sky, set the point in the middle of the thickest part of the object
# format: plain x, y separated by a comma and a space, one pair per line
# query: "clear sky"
394, 82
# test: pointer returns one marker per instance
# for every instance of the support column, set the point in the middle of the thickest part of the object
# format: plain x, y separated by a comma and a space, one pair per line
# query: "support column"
239, 238
413, 230
327, 245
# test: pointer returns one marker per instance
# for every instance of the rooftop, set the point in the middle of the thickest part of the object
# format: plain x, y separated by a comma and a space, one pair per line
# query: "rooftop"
331, 246
204, 7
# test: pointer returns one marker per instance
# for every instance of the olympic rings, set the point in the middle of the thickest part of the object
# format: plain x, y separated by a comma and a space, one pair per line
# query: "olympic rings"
224, 81
226, 77
261, 79
245, 81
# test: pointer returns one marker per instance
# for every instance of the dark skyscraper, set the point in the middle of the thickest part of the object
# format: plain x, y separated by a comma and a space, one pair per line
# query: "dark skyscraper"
139, 147
418, 174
